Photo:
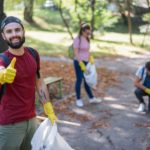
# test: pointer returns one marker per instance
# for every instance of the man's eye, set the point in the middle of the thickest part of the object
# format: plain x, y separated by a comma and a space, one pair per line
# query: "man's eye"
18, 30
8, 31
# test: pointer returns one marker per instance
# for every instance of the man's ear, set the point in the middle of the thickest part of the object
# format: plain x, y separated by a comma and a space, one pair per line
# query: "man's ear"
3, 36
23, 32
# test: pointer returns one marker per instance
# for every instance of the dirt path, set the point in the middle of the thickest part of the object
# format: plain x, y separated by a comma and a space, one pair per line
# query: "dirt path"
114, 124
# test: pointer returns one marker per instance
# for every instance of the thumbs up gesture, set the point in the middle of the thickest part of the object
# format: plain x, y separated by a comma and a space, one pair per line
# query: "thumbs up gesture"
8, 75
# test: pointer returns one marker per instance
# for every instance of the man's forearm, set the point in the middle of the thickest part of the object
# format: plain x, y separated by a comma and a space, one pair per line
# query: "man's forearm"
139, 85
42, 92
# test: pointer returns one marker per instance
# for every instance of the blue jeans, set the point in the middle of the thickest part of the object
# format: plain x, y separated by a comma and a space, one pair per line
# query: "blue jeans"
79, 78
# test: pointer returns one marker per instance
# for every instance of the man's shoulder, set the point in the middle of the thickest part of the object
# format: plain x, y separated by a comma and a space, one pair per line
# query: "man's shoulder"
32, 51
28, 48
141, 68
141, 71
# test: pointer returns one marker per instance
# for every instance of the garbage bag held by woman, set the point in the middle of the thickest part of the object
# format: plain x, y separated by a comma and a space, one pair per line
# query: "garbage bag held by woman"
91, 75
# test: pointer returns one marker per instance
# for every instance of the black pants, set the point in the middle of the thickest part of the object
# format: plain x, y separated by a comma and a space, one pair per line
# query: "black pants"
140, 94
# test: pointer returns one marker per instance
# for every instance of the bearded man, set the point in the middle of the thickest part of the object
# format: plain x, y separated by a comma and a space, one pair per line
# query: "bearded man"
21, 78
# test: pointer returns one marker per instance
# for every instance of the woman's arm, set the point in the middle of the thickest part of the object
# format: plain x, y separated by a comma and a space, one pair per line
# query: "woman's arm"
76, 52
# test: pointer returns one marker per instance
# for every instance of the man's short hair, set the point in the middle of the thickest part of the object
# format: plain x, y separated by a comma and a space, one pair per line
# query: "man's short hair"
147, 65
10, 19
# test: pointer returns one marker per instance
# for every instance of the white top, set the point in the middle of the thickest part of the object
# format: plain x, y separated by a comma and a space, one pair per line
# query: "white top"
140, 72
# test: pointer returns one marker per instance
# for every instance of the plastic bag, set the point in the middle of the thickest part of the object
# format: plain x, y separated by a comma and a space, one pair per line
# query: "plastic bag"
91, 75
47, 137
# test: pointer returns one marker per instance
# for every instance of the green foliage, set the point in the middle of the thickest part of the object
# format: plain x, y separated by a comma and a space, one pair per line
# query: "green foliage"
103, 17
13, 4
106, 19
39, 2
146, 17
19, 4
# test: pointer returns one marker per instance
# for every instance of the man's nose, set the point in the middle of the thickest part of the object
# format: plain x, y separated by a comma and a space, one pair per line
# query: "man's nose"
14, 33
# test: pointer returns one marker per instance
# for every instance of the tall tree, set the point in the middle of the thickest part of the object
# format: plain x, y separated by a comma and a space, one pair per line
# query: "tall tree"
93, 2
63, 18
76, 11
28, 10
93, 12
129, 20
148, 3
3, 45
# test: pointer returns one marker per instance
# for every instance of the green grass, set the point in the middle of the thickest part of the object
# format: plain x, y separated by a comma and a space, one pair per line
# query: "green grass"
45, 48
44, 20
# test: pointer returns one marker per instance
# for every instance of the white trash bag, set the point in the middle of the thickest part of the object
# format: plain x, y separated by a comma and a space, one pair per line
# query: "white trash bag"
47, 137
91, 75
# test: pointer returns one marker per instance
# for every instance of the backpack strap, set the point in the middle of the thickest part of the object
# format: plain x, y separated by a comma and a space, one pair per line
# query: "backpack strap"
7, 62
35, 56
5, 59
32, 52
143, 70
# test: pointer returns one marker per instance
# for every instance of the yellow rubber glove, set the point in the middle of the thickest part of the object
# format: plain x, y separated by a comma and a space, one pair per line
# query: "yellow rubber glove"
48, 109
82, 66
91, 59
147, 90
8, 74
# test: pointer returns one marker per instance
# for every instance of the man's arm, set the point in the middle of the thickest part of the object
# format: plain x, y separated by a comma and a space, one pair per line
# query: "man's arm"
44, 98
42, 90
138, 83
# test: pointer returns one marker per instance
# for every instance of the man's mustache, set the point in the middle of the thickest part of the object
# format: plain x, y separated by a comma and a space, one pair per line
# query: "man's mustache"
15, 37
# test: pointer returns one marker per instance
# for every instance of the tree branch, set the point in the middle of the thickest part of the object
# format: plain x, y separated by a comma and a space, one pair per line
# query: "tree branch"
63, 18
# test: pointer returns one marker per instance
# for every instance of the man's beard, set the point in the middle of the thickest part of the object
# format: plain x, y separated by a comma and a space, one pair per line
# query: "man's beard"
16, 45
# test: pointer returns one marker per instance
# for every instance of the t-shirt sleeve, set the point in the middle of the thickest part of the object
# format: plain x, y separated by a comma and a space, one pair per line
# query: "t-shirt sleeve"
38, 63
139, 72
76, 43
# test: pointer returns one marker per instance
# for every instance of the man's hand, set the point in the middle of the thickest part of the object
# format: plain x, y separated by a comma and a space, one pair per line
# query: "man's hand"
48, 109
8, 74
82, 66
91, 59
147, 90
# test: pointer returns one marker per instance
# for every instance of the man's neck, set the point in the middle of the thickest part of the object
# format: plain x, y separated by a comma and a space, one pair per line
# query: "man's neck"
18, 52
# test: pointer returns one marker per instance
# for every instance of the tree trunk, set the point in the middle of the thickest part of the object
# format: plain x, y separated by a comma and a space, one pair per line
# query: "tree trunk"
76, 8
63, 18
28, 10
93, 17
129, 21
148, 3
3, 44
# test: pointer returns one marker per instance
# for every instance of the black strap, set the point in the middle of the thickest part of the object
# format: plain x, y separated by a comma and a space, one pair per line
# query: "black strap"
143, 70
7, 62
35, 56
5, 59
32, 52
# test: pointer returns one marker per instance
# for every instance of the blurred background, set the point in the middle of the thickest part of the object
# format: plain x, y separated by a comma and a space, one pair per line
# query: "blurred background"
119, 27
